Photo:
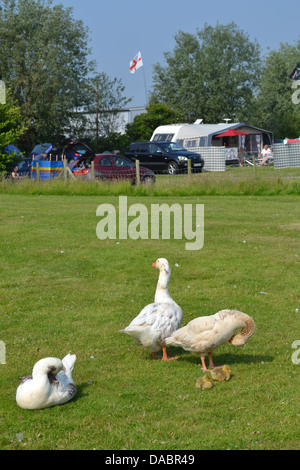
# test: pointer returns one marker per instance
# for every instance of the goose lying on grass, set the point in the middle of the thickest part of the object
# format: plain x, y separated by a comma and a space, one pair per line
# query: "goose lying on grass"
158, 320
50, 384
205, 334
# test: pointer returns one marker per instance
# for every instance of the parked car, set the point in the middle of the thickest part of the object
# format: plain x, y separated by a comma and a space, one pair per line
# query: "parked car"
109, 167
73, 150
39, 150
164, 157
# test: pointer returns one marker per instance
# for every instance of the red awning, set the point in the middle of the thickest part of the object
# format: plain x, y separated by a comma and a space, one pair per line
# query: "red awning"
231, 133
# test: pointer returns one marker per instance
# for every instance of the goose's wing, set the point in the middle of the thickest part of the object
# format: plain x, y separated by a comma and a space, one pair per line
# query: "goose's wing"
154, 323
65, 376
147, 315
198, 326
62, 392
63, 388
157, 315
150, 315
199, 330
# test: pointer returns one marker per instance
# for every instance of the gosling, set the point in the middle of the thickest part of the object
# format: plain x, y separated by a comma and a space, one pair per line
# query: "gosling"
205, 383
221, 374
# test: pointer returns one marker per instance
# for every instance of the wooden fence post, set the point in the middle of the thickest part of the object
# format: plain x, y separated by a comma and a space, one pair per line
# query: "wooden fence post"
65, 169
93, 169
137, 170
254, 164
37, 171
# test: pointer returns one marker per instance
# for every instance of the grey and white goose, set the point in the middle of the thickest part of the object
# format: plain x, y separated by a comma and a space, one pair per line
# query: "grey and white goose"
50, 384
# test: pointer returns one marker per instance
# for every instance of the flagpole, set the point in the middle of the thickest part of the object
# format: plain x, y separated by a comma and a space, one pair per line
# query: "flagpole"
135, 64
145, 87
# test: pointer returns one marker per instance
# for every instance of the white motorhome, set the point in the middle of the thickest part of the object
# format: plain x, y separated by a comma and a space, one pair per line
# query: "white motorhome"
193, 136
167, 133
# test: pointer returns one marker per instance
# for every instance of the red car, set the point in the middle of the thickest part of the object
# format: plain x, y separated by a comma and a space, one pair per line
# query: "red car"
109, 167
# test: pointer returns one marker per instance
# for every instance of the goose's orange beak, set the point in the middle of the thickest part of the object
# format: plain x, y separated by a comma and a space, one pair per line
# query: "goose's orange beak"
154, 265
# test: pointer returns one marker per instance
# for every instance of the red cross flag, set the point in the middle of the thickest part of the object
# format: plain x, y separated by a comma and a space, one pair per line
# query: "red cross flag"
135, 63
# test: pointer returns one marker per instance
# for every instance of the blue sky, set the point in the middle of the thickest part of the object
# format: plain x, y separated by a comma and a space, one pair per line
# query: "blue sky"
121, 28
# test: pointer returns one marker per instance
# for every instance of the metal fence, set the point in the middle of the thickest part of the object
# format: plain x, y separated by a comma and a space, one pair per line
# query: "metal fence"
214, 158
286, 155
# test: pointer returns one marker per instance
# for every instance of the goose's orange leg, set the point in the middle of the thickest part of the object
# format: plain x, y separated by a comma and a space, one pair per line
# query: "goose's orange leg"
203, 364
165, 356
211, 363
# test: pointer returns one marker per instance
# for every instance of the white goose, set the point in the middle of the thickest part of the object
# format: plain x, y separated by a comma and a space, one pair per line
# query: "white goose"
50, 384
158, 320
205, 334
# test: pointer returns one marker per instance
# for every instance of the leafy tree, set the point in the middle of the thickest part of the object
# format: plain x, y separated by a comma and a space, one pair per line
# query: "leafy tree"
144, 124
44, 62
177, 84
212, 75
105, 99
111, 142
141, 129
275, 108
10, 130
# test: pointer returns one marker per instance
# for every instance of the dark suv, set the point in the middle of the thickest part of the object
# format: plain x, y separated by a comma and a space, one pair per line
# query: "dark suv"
164, 157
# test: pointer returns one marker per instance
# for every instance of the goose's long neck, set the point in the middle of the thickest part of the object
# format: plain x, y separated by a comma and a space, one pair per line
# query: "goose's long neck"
162, 292
44, 366
248, 326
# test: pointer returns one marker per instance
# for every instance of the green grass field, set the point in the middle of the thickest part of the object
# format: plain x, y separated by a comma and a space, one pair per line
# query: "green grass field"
63, 290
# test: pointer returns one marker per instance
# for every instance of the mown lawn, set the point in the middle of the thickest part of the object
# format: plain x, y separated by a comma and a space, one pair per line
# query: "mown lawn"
63, 290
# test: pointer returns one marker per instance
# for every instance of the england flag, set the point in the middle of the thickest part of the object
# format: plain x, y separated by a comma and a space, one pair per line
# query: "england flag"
135, 63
